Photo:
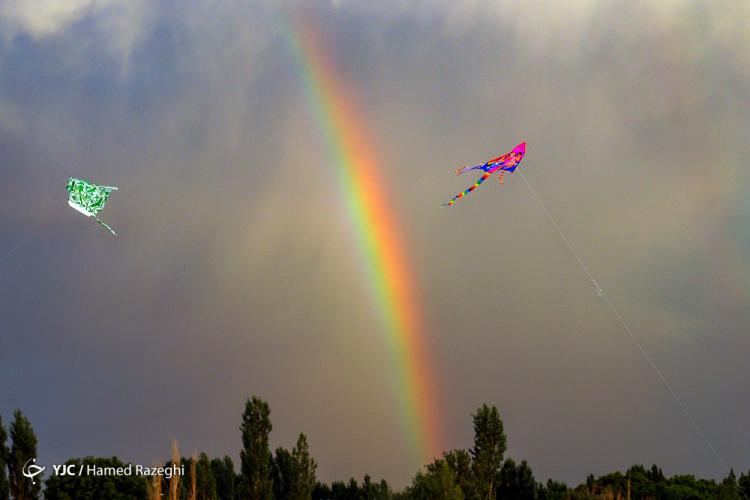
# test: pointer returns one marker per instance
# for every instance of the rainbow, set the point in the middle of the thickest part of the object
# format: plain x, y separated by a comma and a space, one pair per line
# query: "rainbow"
377, 234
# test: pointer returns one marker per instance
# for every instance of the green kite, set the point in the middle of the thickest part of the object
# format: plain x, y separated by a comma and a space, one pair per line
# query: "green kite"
89, 198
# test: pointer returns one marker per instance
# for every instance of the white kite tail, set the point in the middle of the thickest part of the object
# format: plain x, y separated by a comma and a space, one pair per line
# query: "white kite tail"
627, 328
105, 226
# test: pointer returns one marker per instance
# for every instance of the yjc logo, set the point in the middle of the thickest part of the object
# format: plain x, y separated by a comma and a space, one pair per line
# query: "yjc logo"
65, 470
31, 470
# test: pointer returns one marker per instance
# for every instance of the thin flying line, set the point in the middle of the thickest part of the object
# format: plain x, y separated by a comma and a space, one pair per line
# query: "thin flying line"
9, 252
627, 328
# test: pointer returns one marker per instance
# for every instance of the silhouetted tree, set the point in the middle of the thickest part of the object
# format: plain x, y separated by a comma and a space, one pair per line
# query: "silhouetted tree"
729, 489
655, 475
345, 491
205, 481
374, 491
489, 446
744, 484
460, 463
321, 492
22, 451
282, 474
224, 475
437, 483
305, 467
4, 457
552, 490
255, 455
294, 473
516, 482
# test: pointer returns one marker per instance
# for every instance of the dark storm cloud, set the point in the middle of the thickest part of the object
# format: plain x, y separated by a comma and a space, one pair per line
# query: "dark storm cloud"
234, 272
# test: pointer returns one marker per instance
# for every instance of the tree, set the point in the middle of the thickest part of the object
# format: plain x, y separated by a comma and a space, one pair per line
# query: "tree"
507, 487
437, 483
553, 490
460, 463
294, 473
224, 475
4, 457
174, 481
344, 491
489, 446
255, 456
526, 482
23, 451
729, 489
744, 484
374, 491
283, 474
655, 474
321, 492
205, 481
305, 468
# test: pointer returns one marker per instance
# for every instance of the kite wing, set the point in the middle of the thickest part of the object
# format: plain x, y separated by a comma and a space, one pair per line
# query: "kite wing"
508, 162
89, 198
469, 190
483, 166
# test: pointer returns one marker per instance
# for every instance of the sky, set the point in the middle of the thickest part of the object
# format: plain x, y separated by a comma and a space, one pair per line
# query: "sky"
235, 271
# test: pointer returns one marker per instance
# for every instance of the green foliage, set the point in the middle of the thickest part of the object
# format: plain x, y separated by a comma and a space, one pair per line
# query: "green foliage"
321, 492
552, 490
282, 473
460, 463
225, 477
729, 489
345, 491
375, 491
4, 457
651, 484
294, 473
205, 481
23, 449
437, 483
488, 450
351, 490
91, 487
255, 456
478, 474
744, 485
516, 482
305, 468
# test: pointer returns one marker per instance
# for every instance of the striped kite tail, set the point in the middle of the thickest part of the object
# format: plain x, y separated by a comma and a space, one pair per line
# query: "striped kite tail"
464, 193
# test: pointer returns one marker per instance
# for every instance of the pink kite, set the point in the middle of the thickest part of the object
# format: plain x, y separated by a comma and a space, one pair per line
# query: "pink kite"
505, 163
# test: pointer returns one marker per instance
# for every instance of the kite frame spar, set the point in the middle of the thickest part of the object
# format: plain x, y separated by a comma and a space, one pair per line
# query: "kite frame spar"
505, 163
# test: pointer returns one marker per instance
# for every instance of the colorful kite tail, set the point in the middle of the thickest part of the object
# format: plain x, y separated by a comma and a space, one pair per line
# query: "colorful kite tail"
464, 193
105, 226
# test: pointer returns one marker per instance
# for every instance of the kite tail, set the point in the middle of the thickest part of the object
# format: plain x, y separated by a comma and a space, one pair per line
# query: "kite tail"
105, 226
464, 193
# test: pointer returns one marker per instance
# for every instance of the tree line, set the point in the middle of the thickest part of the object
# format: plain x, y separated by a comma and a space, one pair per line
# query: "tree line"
481, 472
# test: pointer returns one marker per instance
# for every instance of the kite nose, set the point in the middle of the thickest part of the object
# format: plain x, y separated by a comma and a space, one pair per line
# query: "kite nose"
521, 148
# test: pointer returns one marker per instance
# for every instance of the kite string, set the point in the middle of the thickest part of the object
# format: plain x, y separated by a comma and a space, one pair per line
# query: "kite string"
16, 247
627, 328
